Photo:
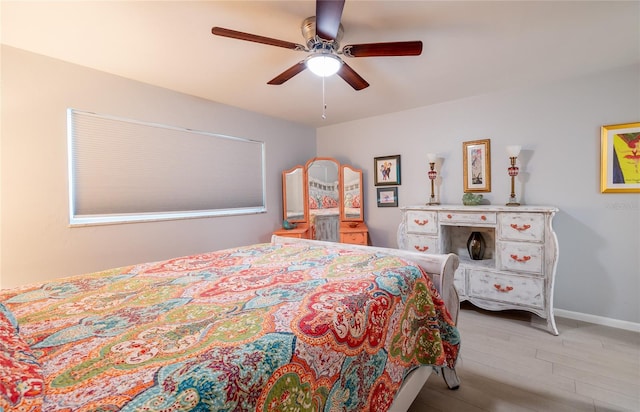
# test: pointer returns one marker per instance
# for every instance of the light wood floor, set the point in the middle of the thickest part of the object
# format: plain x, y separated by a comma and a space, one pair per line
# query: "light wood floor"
506, 364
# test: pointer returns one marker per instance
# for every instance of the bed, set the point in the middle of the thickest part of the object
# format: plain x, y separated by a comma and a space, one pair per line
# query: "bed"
287, 325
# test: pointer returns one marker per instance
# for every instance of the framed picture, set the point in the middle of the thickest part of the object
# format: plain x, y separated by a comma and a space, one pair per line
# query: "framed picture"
476, 161
387, 170
620, 161
387, 197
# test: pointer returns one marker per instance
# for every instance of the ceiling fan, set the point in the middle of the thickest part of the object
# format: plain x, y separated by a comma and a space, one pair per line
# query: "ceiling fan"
323, 33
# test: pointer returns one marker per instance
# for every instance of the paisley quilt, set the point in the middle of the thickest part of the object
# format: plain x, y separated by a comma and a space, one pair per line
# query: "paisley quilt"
258, 328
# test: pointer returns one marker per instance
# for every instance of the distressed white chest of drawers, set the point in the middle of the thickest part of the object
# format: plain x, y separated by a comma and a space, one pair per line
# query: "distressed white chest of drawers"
521, 252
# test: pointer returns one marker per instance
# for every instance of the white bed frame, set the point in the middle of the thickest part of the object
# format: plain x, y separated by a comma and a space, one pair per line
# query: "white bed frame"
441, 269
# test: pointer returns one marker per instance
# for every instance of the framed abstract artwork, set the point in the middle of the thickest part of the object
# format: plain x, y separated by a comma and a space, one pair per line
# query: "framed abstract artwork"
387, 196
387, 170
476, 164
620, 158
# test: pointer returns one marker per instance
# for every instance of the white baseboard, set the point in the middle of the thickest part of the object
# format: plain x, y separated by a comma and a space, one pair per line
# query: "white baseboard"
598, 320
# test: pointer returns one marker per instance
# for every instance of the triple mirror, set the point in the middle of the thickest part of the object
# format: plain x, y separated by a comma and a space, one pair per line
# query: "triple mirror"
323, 193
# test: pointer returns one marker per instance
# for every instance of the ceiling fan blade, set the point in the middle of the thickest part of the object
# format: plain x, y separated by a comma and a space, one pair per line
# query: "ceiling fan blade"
289, 73
350, 76
401, 48
328, 16
220, 31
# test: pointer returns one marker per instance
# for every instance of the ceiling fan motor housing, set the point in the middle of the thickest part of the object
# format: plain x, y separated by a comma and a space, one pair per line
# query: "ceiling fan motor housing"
317, 44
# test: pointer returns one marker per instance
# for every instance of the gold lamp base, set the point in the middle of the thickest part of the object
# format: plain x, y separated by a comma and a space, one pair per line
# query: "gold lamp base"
432, 177
513, 172
513, 201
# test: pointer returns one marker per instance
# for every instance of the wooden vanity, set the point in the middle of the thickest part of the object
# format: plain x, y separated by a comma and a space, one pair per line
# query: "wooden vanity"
355, 234
324, 199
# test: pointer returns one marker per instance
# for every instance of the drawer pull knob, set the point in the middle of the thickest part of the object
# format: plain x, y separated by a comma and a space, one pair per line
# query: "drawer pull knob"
505, 289
483, 217
449, 216
421, 248
421, 222
520, 228
520, 259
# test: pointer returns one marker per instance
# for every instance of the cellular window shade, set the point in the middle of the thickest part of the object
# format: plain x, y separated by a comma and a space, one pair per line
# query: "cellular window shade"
121, 170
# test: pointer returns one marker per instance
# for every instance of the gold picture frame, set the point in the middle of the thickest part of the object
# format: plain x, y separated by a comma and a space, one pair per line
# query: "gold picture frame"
476, 164
620, 158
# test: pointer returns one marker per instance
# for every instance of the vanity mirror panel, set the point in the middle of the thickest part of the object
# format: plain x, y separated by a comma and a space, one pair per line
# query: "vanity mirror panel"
294, 194
351, 186
324, 198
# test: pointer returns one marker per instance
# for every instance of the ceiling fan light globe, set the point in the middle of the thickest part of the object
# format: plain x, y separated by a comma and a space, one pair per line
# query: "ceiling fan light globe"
323, 65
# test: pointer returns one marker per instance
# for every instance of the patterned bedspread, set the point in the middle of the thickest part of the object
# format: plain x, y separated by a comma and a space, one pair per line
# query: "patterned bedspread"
262, 327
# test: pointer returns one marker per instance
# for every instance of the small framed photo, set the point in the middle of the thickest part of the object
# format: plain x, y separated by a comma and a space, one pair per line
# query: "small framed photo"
476, 164
387, 196
620, 161
387, 169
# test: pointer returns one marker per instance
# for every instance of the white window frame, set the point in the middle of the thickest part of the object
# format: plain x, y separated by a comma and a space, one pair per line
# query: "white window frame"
231, 186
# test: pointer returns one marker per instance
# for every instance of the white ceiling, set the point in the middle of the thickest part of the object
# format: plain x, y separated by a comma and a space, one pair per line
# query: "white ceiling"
470, 48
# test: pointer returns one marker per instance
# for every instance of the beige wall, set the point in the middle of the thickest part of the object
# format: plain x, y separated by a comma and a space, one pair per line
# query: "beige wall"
558, 126
36, 242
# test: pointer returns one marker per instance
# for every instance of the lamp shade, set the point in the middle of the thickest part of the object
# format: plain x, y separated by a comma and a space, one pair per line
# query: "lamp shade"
431, 157
513, 150
323, 64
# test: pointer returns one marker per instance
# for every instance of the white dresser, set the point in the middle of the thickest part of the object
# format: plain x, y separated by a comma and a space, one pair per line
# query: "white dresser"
521, 254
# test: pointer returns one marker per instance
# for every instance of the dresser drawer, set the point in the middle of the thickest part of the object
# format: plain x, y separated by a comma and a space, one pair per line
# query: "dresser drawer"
299, 233
520, 257
467, 217
421, 243
521, 226
460, 281
355, 238
520, 290
419, 221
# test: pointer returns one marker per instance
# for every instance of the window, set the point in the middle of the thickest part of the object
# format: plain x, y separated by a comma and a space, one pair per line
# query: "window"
122, 170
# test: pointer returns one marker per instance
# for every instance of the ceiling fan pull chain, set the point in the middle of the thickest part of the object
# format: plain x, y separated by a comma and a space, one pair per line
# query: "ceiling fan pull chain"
324, 104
